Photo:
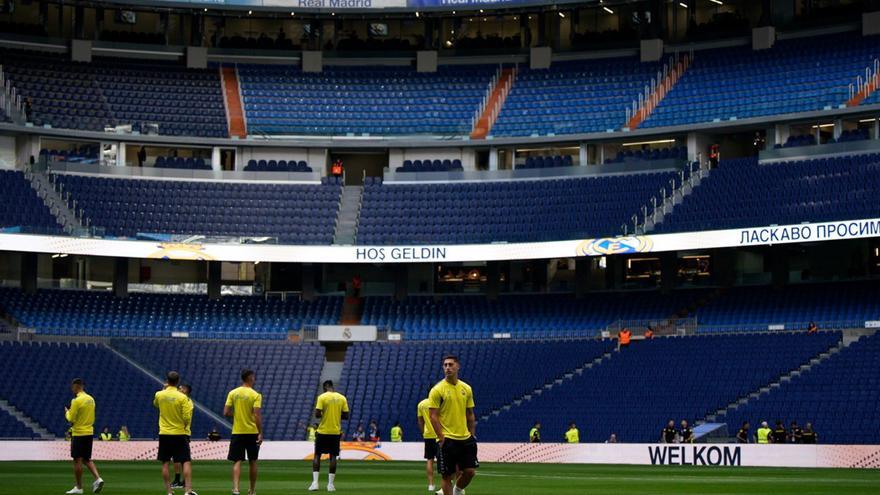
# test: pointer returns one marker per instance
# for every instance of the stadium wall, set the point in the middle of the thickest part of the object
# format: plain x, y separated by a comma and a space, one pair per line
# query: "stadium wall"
731, 455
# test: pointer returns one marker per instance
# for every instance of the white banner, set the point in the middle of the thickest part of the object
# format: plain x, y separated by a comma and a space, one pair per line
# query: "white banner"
853, 229
732, 455
347, 333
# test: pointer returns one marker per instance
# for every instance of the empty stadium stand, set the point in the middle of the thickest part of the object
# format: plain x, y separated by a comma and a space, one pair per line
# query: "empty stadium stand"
639, 389
109, 92
375, 100
180, 162
513, 211
499, 372
287, 375
523, 316
679, 152
842, 305
12, 428
573, 97
430, 165
794, 76
41, 389
99, 313
21, 207
840, 396
292, 213
744, 193
546, 162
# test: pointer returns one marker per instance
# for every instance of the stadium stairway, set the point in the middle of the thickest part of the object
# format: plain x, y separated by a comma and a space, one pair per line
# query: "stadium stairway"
54, 200
567, 376
347, 218
25, 420
825, 356
673, 72
219, 420
232, 100
679, 193
494, 103
867, 86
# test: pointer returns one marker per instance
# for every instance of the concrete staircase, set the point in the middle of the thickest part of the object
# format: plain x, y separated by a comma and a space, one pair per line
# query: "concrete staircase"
349, 211
665, 206
26, 420
845, 342
493, 102
235, 116
548, 386
54, 200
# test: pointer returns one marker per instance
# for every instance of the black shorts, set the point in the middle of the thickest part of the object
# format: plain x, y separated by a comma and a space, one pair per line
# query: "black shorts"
327, 444
431, 448
455, 455
81, 447
241, 444
174, 448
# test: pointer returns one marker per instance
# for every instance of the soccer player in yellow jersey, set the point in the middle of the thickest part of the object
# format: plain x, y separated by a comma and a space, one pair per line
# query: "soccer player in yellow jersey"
572, 435
81, 416
451, 403
331, 408
245, 406
423, 413
175, 419
185, 389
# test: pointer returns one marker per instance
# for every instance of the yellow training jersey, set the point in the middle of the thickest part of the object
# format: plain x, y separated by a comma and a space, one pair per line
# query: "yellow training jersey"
424, 411
175, 411
189, 425
331, 405
573, 436
243, 401
452, 402
81, 415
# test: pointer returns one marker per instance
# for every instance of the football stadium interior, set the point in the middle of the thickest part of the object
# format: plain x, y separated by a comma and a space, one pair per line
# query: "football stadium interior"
613, 213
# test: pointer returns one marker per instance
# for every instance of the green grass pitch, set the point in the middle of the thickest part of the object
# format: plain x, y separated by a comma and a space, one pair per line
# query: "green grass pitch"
399, 478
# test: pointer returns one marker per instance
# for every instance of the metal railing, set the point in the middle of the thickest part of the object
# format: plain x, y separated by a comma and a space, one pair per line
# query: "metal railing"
868, 84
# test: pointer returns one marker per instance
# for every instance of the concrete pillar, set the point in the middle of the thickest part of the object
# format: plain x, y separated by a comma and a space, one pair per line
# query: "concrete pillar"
308, 282
493, 279
215, 159
28, 273
120, 277
600, 154
876, 129
582, 155
838, 129
781, 134
668, 271
120, 155
493, 158
614, 271
214, 280
698, 146
583, 268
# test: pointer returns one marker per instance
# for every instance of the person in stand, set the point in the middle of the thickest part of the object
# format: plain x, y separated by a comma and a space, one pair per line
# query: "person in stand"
214, 435
373, 431
795, 434
29, 109
612, 438
624, 337
669, 434
81, 416
742, 436
359, 433
649, 333
535, 433
123, 435
779, 433
142, 156
106, 436
808, 436
714, 156
812, 328
336, 169
396, 432
687, 433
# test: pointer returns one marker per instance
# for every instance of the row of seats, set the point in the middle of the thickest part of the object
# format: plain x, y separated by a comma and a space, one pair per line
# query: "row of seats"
627, 155
546, 162
446, 165
179, 162
82, 154
292, 213
99, 313
21, 207
744, 193
277, 166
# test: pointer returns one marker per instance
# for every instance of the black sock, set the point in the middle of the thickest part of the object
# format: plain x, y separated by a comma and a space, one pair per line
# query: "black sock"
177, 478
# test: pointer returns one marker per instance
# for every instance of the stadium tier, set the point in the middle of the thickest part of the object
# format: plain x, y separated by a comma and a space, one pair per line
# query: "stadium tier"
754, 308
840, 396
636, 391
21, 207
499, 372
513, 211
292, 213
532, 316
99, 313
367, 100
110, 92
794, 76
41, 388
287, 376
744, 193
573, 97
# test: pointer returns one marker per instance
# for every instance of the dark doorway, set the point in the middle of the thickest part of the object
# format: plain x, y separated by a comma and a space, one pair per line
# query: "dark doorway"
371, 163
